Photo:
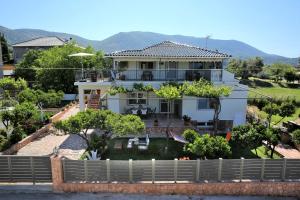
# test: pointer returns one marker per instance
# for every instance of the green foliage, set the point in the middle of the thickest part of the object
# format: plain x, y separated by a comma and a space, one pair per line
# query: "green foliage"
246, 68
48, 99
296, 136
26, 68
100, 119
204, 88
168, 92
11, 86
56, 68
290, 75
4, 143
277, 71
142, 87
117, 90
122, 125
5, 50
248, 136
206, 146
190, 135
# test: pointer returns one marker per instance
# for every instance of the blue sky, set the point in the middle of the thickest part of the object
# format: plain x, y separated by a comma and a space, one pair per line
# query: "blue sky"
269, 25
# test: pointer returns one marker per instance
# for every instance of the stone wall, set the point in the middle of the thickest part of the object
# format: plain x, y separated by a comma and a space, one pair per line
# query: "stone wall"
228, 188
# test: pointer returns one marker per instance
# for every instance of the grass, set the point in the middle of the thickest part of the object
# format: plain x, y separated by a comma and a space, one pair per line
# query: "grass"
269, 88
247, 153
276, 90
155, 150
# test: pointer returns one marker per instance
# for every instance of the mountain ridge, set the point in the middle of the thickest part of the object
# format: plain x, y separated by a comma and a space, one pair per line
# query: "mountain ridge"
140, 39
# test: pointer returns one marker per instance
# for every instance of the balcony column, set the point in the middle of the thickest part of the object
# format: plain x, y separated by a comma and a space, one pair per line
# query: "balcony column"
81, 98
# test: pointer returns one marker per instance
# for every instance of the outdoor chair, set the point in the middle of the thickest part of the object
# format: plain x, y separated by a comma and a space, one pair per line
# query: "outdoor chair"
144, 143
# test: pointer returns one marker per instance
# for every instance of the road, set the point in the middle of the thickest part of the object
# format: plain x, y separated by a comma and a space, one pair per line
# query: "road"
94, 196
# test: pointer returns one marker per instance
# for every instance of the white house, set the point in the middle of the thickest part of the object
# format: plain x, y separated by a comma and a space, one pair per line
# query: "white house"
165, 62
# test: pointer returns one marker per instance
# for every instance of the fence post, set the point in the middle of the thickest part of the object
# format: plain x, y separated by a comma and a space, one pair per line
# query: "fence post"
220, 169
283, 169
153, 170
32, 170
9, 167
175, 169
242, 169
107, 170
130, 170
262, 173
197, 170
85, 171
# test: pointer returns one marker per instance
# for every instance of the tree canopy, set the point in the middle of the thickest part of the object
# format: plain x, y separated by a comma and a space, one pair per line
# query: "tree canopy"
117, 124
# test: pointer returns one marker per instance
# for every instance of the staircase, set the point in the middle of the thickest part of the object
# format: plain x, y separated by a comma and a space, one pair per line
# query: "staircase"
94, 101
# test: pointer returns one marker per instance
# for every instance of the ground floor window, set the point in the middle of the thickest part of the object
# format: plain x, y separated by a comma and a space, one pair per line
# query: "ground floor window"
137, 98
204, 104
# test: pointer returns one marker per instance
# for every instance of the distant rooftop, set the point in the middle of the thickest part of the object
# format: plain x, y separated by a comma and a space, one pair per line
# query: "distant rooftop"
170, 49
42, 42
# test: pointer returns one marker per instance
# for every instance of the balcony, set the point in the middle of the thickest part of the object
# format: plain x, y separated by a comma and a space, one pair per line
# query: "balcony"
213, 75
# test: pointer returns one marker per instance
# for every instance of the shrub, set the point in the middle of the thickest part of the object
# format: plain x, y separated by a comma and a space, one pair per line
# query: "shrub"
4, 143
190, 135
17, 135
296, 136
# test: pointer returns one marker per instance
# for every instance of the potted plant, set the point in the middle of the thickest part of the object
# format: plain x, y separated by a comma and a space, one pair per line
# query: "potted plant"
155, 123
186, 120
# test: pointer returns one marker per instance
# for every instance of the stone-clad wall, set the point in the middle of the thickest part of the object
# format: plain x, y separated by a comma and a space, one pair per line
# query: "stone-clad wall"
228, 188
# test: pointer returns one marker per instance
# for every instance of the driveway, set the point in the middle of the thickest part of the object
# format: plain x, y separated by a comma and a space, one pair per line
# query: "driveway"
91, 196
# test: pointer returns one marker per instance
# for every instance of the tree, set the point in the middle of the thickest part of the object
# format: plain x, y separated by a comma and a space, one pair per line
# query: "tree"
27, 67
5, 50
190, 135
284, 109
272, 136
248, 135
290, 75
117, 124
255, 65
11, 86
57, 70
234, 66
277, 70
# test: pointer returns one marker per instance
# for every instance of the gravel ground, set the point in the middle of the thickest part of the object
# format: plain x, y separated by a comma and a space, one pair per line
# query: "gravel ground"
90, 196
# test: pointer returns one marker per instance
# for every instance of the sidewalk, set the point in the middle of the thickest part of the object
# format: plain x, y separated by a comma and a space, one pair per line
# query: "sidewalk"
287, 151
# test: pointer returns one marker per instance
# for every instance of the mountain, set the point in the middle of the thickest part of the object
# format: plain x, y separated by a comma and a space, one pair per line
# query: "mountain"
138, 39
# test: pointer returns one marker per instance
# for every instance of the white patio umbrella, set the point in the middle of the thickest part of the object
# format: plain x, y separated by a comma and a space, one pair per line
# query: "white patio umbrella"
81, 55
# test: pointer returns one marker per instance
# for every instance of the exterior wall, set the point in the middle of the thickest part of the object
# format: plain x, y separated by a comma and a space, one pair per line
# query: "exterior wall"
232, 108
114, 103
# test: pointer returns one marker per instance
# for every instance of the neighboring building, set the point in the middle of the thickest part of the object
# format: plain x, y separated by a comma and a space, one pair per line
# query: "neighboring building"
7, 70
40, 43
1, 61
164, 62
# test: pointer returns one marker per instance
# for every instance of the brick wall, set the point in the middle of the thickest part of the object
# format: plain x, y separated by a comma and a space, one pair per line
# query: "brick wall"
229, 188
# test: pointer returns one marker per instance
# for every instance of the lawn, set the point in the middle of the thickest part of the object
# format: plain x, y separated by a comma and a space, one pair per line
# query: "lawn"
269, 88
157, 146
155, 150
247, 153
277, 90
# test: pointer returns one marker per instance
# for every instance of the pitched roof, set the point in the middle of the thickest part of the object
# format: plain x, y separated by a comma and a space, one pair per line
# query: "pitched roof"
171, 50
42, 42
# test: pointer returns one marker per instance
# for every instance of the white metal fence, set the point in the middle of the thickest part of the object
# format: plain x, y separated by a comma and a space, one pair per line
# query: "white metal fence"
181, 170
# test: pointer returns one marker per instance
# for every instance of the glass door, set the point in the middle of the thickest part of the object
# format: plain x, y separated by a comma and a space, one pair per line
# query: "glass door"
171, 70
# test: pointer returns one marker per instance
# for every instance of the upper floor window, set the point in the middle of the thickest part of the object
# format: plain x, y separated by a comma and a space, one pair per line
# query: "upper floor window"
204, 104
137, 98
